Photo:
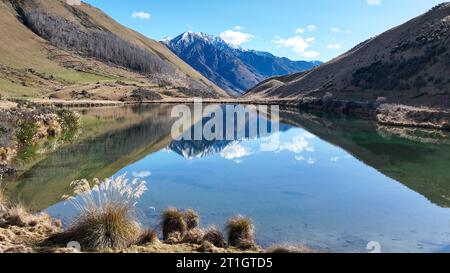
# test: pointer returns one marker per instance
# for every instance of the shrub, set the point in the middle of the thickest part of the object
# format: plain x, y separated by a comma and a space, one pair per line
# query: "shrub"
107, 217
172, 221
215, 237
191, 218
240, 231
70, 122
3, 198
26, 132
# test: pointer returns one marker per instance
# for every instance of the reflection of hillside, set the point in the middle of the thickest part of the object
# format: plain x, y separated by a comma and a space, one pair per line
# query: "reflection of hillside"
124, 138
418, 164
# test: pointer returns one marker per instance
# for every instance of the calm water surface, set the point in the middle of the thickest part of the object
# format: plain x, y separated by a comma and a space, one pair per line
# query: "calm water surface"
332, 183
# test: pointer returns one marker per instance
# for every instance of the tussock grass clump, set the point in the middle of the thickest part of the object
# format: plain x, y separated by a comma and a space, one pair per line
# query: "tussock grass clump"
174, 238
172, 221
148, 236
110, 227
192, 219
107, 216
19, 216
240, 232
194, 236
15, 216
206, 247
215, 237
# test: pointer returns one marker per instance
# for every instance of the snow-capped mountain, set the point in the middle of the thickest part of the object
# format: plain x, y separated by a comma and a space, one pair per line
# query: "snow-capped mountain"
234, 69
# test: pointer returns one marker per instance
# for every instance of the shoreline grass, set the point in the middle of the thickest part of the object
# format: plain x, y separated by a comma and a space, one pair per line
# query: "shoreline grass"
107, 222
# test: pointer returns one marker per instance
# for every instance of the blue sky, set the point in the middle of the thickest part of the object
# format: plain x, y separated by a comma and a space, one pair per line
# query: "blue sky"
297, 29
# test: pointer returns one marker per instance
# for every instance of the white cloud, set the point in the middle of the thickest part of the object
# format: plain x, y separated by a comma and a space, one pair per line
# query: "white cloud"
312, 28
298, 145
311, 161
298, 45
141, 15
334, 46
238, 28
374, 2
235, 151
299, 158
335, 159
348, 31
142, 174
299, 30
236, 38
335, 29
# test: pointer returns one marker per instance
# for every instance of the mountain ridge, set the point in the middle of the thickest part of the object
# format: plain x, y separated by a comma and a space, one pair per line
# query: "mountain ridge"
231, 67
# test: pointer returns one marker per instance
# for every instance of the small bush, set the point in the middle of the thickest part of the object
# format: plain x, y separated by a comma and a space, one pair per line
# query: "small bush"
3, 198
192, 219
215, 237
240, 230
173, 221
70, 122
26, 132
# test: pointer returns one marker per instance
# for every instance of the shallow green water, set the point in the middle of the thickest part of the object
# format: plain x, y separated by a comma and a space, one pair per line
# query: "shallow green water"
332, 183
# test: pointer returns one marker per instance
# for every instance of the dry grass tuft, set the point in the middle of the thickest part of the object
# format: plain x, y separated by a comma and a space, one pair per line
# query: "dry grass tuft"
194, 236
148, 236
15, 216
111, 227
173, 238
107, 216
192, 219
215, 237
207, 247
240, 232
173, 221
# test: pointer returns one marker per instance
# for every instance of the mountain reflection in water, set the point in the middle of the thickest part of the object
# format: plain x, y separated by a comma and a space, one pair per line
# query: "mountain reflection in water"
331, 183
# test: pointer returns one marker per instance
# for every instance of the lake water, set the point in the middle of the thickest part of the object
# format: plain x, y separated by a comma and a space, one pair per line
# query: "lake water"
331, 183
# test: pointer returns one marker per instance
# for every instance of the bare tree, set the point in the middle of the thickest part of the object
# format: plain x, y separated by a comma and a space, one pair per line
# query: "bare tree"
99, 44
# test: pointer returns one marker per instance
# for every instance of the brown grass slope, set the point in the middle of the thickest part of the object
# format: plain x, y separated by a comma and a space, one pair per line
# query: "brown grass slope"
30, 66
408, 64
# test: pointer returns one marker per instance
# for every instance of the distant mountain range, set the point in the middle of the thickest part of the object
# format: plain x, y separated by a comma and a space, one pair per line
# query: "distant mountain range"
232, 68
408, 64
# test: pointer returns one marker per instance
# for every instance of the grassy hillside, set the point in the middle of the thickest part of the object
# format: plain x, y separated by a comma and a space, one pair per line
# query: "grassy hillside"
32, 66
408, 64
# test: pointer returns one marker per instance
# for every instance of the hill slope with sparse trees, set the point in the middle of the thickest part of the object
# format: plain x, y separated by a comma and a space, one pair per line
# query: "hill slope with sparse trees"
76, 51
